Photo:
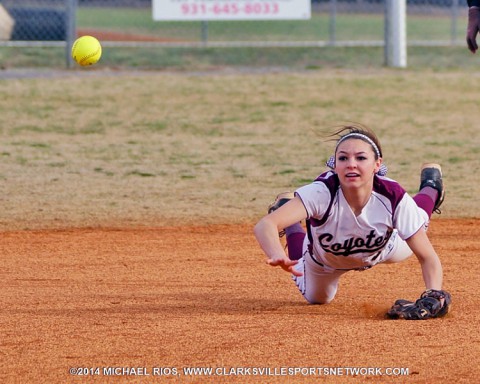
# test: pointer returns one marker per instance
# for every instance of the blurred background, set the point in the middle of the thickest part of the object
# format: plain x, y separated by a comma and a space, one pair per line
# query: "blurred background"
26, 25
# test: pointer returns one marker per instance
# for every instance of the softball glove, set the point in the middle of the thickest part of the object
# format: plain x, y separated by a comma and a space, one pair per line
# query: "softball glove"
428, 306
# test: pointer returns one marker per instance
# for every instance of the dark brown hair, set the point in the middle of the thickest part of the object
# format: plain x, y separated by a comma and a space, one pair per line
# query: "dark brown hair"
361, 130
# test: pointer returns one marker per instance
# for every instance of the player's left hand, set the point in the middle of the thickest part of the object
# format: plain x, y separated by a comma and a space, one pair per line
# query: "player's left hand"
286, 264
473, 28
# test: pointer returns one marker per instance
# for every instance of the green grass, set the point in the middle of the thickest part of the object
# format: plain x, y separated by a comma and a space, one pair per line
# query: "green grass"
349, 26
138, 22
436, 58
236, 124
239, 137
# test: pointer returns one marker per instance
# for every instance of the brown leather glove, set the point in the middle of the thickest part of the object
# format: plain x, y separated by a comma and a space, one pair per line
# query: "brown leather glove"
473, 28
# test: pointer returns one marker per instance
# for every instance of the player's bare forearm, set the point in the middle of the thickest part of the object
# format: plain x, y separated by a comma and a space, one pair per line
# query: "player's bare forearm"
429, 261
266, 233
432, 273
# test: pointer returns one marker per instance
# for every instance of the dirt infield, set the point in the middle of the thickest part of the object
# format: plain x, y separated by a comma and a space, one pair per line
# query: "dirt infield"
156, 300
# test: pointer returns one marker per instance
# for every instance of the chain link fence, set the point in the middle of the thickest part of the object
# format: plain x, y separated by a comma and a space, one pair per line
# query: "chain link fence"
41, 20
130, 23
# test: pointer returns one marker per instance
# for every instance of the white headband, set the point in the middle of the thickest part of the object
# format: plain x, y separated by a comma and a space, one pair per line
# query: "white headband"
362, 137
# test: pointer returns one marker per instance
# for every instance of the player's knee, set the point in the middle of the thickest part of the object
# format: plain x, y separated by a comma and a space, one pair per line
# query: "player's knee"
319, 299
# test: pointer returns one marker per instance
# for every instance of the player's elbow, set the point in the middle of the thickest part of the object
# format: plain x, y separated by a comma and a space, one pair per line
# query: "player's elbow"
262, 227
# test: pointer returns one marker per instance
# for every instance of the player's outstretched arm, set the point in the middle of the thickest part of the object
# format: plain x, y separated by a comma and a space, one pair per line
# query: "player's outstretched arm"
266, 233
430, 263
433, 302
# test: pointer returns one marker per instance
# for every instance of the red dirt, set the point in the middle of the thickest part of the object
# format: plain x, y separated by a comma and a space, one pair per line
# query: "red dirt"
104, 35
176, 297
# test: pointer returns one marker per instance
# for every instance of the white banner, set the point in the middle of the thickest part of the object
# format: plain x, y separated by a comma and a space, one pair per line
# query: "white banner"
188, 10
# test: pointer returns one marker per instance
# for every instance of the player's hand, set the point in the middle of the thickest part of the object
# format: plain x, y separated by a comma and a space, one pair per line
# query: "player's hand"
286, 264
473, 28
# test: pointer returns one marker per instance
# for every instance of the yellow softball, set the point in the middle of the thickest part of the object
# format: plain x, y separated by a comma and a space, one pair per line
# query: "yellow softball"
86, 50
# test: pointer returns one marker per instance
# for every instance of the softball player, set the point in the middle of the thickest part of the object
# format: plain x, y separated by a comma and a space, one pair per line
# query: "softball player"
355, 218
473, 25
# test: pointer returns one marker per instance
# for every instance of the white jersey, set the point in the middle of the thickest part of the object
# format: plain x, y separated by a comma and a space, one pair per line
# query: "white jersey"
342, 240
